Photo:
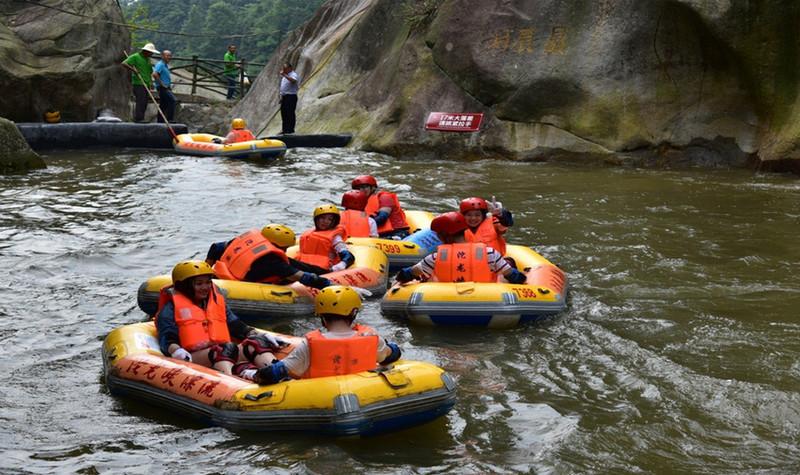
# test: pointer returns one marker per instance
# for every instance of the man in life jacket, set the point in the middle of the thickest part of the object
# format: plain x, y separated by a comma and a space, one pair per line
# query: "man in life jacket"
260, 256
486, 229
195, 324
354, 219
323, 247
238, 132
384, 207
458, 260
339, 348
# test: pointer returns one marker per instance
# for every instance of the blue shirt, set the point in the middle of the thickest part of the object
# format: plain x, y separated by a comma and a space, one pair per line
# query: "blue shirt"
162, 69
289, 87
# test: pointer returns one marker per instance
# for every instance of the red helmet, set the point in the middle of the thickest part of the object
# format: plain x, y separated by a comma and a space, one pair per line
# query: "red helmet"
363, 180
473, 203
355, 199
449, 224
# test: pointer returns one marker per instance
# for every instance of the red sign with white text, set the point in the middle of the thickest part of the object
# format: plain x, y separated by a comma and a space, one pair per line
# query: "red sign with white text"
454, 121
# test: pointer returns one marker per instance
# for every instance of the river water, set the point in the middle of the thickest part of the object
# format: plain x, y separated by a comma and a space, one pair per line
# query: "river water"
679, 351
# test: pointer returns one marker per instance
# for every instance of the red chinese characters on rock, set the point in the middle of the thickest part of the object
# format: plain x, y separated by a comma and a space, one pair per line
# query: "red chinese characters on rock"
454, 121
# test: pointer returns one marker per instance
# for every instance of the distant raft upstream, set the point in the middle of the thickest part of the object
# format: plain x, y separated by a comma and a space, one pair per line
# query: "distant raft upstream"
211, 145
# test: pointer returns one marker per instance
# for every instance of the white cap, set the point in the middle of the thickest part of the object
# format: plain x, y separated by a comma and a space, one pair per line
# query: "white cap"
151, 48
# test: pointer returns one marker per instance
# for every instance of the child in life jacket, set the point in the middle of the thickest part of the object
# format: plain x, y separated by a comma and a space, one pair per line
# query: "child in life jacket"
485, 228
384, 207
324, 246
354, 219
339, 347
458, 260
260, 256
203, 333
238, 133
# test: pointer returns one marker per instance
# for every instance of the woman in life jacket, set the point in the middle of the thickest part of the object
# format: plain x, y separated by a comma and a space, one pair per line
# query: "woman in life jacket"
384, 207
458, 260
238, 133
339, 347
324, 246
260, 256
195, 324
354, 219
483, 227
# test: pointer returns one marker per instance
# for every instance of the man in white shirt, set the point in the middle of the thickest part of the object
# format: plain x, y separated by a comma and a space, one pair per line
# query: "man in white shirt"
290, 82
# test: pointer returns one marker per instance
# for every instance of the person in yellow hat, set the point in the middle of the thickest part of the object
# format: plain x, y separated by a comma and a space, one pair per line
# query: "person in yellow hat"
239, 132
260, 256
206, 325
141, 78
324, 246
340, 347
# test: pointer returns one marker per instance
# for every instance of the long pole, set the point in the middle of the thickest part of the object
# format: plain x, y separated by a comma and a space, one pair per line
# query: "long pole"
144, 84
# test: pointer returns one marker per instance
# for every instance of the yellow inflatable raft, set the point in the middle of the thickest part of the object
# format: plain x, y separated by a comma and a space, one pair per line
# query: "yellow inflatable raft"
495, 305
203, 144
410, 250
388, 398
253, 300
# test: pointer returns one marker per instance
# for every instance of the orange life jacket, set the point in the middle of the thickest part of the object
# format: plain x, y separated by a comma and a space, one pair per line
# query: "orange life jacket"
489, 232
397, 217
239, 135
197, 328
463, 262
316, 247
337, 356
240, 254
356, 223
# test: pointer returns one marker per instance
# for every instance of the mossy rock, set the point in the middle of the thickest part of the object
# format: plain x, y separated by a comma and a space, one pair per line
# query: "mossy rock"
15, 154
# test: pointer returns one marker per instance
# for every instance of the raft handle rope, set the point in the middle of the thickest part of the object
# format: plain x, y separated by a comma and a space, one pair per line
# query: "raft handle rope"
251, 397
283, 293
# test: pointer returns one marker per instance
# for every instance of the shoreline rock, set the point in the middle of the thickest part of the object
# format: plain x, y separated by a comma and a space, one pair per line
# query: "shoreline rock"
15, 154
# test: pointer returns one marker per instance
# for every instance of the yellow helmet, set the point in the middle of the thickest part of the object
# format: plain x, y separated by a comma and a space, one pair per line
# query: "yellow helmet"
186, 269
326, 209
337, 300
278, 234
238, 123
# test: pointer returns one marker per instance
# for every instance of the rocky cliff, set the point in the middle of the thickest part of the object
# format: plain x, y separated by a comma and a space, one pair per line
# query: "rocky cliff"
712, 82
63, 56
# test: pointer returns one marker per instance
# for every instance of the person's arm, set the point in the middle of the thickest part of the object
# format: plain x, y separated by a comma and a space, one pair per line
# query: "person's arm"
388, 352
236, 327
167, 330
421, 270
230, 138
296, 363
504, 218
347, 258
292, 78
373, 227
500, 266
216, 251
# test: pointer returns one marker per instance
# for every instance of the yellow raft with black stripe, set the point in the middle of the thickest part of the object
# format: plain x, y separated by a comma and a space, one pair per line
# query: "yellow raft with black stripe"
254, 300
388, 398
410, 250
496, 305
204, 145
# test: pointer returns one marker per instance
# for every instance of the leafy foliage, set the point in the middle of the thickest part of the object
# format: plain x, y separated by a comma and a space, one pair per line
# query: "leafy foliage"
417, 13
265, 22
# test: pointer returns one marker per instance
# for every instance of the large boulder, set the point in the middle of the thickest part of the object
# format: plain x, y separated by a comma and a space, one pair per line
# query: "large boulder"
615, 79
51, 59
15, 154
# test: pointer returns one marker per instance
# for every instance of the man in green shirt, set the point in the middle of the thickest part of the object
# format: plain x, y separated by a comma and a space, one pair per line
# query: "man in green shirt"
231, 71
141, 78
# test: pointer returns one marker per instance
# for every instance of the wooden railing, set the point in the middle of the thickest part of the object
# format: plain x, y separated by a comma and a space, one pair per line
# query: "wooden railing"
205, 77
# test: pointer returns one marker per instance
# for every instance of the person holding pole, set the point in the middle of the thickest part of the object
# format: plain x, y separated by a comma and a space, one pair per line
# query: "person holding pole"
163, 80
142, 77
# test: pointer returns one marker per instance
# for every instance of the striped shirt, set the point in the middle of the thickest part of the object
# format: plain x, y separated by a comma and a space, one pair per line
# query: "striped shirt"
497, 264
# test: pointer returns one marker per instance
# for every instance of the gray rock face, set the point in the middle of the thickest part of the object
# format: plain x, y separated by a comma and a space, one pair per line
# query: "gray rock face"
53, 60
554, 79
15, 154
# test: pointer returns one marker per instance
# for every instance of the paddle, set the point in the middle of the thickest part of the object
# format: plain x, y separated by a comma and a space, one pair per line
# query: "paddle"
169, 127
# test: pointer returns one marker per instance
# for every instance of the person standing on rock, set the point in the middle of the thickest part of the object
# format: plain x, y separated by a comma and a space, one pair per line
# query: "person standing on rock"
163, 80
142, 78
290, 83
231, 71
